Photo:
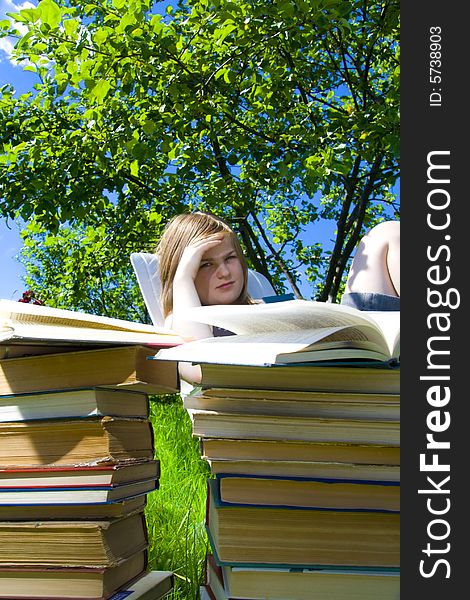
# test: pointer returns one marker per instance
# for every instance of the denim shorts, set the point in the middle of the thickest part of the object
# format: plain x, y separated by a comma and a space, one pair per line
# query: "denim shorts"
371, 301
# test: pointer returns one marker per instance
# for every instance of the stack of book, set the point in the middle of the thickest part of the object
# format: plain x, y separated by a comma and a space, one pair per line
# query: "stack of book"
305, 453
77, 455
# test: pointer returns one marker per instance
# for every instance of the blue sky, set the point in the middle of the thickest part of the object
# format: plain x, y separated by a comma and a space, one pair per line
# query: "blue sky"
11, 285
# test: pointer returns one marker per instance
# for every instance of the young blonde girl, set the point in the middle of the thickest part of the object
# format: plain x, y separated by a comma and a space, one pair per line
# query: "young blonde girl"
201, 263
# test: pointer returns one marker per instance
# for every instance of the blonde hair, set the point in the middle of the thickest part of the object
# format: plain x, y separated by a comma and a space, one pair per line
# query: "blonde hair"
179, 232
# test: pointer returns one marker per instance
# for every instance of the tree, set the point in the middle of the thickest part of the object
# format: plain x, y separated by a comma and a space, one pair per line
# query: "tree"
273, 113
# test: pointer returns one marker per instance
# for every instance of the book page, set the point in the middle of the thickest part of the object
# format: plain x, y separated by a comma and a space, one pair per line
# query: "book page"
279, 316
12, 313
389, 323
264, 348
43, 333
297, 315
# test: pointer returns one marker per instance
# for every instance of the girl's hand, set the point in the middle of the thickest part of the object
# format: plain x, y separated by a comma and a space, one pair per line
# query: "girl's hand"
185, 294
192, 256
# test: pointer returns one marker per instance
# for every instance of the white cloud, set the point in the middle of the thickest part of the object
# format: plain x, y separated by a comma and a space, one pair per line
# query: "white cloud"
7, 44
9, 6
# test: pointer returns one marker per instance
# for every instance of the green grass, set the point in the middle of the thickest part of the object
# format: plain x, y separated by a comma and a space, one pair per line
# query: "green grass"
175, 513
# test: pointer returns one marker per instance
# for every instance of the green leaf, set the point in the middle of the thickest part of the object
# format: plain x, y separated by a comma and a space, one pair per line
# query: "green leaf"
100, 36
148, 126
25, 15
127, 20
134, 168
100, 90
71, 26
49, 12
24, 39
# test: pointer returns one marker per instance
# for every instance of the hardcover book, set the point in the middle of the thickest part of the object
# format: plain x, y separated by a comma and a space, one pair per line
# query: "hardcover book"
233, 449
122, 367
296, 404
153, 585
76, 495
275, 536
72, 543
332, 377
87, 402
255, 583
76, 476
77, 512
71, 583
326, 492
227, 583
207, 423
75, 441
305, 469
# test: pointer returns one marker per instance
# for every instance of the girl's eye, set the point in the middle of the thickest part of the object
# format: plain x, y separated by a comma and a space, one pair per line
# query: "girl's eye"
232, 257
204, 265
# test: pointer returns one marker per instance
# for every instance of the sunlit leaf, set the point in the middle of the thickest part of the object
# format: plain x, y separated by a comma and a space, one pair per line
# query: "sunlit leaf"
49, 12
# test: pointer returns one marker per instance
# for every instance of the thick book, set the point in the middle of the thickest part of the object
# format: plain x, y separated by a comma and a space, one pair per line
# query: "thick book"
72, 543
71, 583
153, 585
80, 475
122, 367
292, 332
317, 377
31, 329
76, 512
296, 404
246, 535
212, 424
326, 492
229, 583
305, 469
87, 402
274, 450
75, 441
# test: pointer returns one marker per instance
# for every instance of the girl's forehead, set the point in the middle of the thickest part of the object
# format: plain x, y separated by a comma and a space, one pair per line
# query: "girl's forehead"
225, 247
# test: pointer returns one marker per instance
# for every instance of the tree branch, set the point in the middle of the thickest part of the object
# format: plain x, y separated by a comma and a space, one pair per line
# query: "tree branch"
277, 258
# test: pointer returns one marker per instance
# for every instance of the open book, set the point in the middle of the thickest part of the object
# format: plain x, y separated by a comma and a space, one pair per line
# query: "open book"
295, 331
29, 327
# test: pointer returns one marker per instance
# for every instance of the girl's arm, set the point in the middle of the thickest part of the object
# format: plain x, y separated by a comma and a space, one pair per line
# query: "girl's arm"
185, 296
184, 289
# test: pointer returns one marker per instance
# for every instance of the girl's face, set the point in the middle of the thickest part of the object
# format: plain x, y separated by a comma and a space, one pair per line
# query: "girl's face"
220, 276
